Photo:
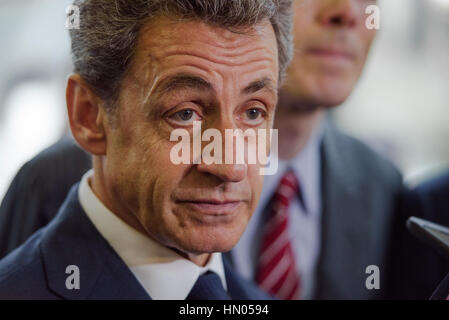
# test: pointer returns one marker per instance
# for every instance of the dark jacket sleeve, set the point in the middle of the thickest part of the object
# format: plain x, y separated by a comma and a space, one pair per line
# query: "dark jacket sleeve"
442, 292
417, 267
38, 190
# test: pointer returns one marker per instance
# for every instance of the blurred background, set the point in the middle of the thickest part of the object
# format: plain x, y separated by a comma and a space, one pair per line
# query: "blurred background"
400, 107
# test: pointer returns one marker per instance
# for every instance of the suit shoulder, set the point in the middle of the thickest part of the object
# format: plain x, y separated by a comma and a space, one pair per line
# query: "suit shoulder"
50, 164
432, 198
21, 272
435, 185
64, 153
363, 158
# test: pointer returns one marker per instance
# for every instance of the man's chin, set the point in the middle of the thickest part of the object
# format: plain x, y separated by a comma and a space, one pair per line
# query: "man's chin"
310, 102
330, 101
209, 245
333, 105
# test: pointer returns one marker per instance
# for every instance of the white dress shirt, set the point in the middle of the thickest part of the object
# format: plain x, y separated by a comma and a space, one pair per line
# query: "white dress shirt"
305, 217
164, 274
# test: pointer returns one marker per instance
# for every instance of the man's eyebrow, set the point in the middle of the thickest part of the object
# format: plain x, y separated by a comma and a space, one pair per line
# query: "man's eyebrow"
261, 84
183, 81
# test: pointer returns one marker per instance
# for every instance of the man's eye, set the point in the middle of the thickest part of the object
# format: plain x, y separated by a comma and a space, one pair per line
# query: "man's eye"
185, 116
254, 115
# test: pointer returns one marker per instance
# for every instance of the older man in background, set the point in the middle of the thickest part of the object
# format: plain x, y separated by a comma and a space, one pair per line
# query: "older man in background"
332, 221
335, 220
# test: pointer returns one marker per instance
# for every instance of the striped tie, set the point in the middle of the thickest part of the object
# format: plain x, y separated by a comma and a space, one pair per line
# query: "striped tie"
276, 272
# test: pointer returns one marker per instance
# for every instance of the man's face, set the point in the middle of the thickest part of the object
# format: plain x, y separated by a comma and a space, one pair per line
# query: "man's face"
184, 72
331, 46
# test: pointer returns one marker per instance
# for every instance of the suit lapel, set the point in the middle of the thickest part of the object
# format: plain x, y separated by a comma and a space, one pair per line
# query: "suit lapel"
344, 223
236, 291
71, 239
240, 289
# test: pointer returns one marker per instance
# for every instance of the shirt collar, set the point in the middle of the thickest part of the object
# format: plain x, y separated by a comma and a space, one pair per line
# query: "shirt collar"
163, 273
307, 167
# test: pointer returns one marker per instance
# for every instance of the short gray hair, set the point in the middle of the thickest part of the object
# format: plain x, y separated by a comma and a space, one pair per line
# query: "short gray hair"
104, 45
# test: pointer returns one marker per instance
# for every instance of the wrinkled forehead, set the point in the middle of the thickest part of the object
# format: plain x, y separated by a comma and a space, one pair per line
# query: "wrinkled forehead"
164, 39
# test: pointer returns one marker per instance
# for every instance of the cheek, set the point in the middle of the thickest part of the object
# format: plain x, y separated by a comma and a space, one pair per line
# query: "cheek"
140, 157
160, 178
255, 180
366, 40
156, 188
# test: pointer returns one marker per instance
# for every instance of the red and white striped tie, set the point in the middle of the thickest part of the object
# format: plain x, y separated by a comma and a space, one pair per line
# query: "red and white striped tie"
276, 270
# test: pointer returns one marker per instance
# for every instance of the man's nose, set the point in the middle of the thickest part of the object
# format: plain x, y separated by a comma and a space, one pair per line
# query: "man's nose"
340, 13
225, 172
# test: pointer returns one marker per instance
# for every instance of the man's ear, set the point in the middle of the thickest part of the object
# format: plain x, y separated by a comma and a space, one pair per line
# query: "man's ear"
86, 116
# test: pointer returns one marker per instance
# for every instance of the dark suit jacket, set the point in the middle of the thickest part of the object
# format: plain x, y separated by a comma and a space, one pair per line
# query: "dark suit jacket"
36, 270
360, 192
38, 190
417, 268
433, 198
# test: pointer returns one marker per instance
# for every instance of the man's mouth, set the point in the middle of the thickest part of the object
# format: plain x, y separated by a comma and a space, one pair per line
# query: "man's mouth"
331, 54
212, 206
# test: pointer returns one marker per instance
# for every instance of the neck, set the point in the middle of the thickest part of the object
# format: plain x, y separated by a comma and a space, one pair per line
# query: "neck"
199, 259
295, 127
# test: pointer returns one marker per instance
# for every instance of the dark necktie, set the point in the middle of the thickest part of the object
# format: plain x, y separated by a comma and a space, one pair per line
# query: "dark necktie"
208, 287
276, 268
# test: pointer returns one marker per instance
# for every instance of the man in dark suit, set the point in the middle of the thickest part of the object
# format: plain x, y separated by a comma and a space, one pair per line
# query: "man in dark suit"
340, 223
142, 224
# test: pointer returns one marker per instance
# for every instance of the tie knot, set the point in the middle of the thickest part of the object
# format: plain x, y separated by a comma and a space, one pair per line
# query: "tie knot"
288, 187
208, 287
